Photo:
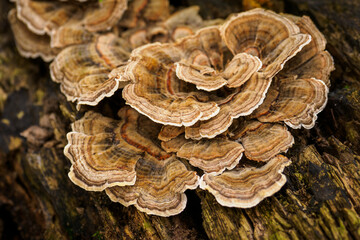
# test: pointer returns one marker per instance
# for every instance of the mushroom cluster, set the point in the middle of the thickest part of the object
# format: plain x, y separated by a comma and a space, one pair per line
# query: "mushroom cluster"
200, 95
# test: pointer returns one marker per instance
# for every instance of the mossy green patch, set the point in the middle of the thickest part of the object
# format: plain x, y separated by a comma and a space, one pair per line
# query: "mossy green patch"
98, 235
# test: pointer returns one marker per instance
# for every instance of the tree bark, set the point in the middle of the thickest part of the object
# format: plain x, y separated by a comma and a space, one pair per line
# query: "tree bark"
320, 200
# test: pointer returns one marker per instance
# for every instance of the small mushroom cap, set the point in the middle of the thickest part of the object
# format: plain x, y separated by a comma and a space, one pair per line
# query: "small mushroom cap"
273, 38
260, 30
263, 141
246, 187
71, 34
28, 43
140, 11
105, 16
159, 187
300, 91
211, 155
104, 151
130, 18
169, 132
157, 10
240, 103
185, 17
200, 52
157, 93
47, 16
202, 63
240, 69
313, 61
319, 67
298, 102
44, 16
174, 144
180, 24
180, 32
200, 73
93, 153
67, 23
83, 70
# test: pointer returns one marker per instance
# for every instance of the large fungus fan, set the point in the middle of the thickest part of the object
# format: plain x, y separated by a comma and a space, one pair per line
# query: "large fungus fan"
197, 102
234, 63
263, 69
125, 158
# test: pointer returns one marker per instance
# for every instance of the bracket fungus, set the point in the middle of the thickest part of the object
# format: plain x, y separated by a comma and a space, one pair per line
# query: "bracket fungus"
179, 24
83, 70
28, 43
43, 28
141, 11
67, 22
246, 187
228, 90
237, 60
259, 141
300, 91
124, 157
209, 102
210, 155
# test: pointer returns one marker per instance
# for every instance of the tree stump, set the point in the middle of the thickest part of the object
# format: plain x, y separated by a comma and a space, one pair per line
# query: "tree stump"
320, 200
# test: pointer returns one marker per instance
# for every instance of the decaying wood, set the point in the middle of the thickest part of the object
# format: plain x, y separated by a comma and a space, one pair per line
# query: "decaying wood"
320, 200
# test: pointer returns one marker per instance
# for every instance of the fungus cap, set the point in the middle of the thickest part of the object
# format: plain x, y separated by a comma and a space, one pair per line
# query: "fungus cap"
201, 60
124, 157
246, 187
